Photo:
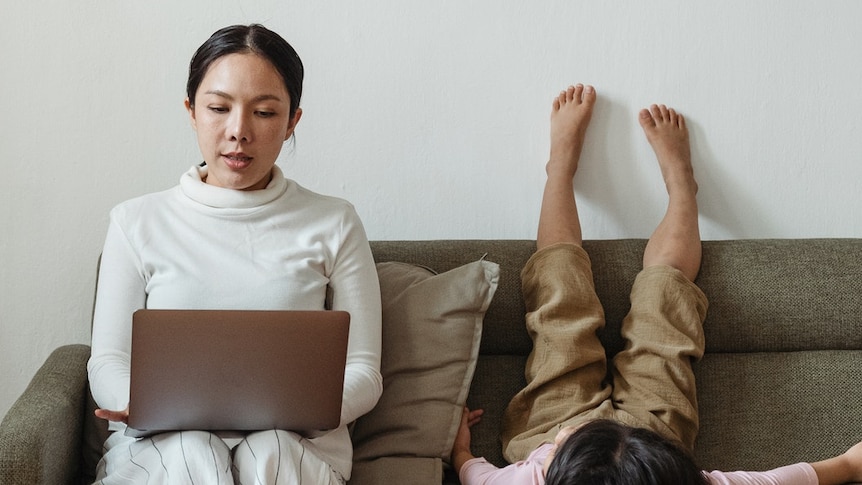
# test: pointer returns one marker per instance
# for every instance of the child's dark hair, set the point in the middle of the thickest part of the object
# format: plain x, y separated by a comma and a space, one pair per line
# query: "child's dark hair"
605, 452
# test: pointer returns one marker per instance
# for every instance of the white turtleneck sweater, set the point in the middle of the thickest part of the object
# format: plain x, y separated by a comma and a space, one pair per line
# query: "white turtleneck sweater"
197, 246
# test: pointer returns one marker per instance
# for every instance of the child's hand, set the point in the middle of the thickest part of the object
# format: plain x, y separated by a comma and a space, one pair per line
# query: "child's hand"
468, 419
844, 468
461, 448
854, 462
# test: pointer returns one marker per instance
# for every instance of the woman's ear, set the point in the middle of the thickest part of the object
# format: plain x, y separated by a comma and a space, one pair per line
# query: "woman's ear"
293, 122
191, 110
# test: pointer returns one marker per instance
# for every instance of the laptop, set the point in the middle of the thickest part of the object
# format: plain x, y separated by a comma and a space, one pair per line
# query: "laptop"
236, 370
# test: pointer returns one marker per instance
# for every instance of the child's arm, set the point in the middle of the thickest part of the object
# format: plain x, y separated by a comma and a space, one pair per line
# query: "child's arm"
461, 452
477, 471
843, 468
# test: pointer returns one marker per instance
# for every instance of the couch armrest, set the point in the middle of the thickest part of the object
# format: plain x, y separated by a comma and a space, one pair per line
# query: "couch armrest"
40, 437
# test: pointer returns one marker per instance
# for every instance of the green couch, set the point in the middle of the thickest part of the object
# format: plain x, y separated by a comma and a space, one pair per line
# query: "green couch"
781, 380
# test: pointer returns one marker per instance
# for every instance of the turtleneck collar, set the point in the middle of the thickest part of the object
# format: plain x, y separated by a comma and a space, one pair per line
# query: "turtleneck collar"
193, 186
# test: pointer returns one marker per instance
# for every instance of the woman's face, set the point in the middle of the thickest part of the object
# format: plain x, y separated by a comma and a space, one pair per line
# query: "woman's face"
242, 119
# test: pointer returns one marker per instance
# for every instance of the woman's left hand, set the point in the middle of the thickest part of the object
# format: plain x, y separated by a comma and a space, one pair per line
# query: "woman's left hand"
116, 416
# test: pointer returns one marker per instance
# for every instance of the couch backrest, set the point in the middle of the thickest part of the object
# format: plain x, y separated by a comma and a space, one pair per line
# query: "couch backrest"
781, 380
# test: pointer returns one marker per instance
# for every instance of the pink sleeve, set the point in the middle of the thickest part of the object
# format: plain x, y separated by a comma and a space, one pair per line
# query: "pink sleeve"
798, 474
479, 472
528, 472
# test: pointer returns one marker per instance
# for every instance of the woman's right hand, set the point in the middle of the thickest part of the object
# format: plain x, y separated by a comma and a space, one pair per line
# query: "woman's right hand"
118, 416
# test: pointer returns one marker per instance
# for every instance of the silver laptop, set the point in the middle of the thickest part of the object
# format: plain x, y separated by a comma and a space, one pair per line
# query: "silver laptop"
236, 370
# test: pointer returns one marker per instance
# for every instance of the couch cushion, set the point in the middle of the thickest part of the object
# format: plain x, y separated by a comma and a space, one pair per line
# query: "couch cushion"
432, 327
782, 294
395, 470
788, 406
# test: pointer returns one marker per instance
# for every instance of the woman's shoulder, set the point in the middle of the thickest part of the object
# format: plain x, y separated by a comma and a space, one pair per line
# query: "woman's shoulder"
137, 206
318, 199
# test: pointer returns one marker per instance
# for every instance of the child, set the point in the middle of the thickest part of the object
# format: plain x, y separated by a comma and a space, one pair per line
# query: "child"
569, 425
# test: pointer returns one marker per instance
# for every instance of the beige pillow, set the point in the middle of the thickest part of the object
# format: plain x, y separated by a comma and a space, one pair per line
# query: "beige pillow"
432, 326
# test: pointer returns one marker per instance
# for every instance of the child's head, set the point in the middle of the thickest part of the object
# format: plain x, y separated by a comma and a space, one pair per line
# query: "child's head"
605, 452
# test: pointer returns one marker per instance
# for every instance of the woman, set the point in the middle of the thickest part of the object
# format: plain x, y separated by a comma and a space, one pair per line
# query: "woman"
235, 234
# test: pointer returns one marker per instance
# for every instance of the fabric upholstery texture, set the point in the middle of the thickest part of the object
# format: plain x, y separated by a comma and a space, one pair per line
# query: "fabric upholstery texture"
40, 437
781, 380
396, 470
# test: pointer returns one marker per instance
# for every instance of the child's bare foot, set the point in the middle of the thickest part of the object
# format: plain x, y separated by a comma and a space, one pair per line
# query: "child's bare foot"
667, 134
570, 117
676, 240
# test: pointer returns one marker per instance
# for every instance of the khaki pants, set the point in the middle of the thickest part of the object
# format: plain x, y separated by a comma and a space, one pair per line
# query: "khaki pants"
652, 384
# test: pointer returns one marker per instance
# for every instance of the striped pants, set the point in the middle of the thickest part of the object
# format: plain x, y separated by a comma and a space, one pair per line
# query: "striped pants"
273, 457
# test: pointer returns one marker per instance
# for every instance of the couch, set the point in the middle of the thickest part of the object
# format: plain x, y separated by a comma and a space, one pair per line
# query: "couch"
781, 380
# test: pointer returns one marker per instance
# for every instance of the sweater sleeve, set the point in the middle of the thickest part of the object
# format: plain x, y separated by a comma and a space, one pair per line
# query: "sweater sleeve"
356, 289
798, 474
121, 290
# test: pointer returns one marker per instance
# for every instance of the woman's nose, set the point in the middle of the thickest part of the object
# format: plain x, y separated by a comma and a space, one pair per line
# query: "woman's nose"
240, 127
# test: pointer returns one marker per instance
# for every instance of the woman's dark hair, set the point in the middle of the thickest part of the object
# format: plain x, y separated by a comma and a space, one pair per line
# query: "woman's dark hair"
605, 452
254, 39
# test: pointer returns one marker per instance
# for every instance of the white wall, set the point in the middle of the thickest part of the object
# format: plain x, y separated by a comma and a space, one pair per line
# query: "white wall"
430, 116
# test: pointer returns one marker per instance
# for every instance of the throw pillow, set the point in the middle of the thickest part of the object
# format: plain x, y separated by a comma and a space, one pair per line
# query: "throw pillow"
432, 326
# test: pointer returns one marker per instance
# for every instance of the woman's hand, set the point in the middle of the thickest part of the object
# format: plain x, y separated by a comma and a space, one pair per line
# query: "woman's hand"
117, 416
461, 449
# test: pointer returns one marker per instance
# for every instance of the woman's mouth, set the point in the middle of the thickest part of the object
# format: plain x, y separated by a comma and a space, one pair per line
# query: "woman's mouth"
236, 161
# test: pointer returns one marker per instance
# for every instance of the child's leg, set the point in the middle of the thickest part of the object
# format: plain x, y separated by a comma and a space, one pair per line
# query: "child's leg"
676, 240
570, 117
567, 367
653, 378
